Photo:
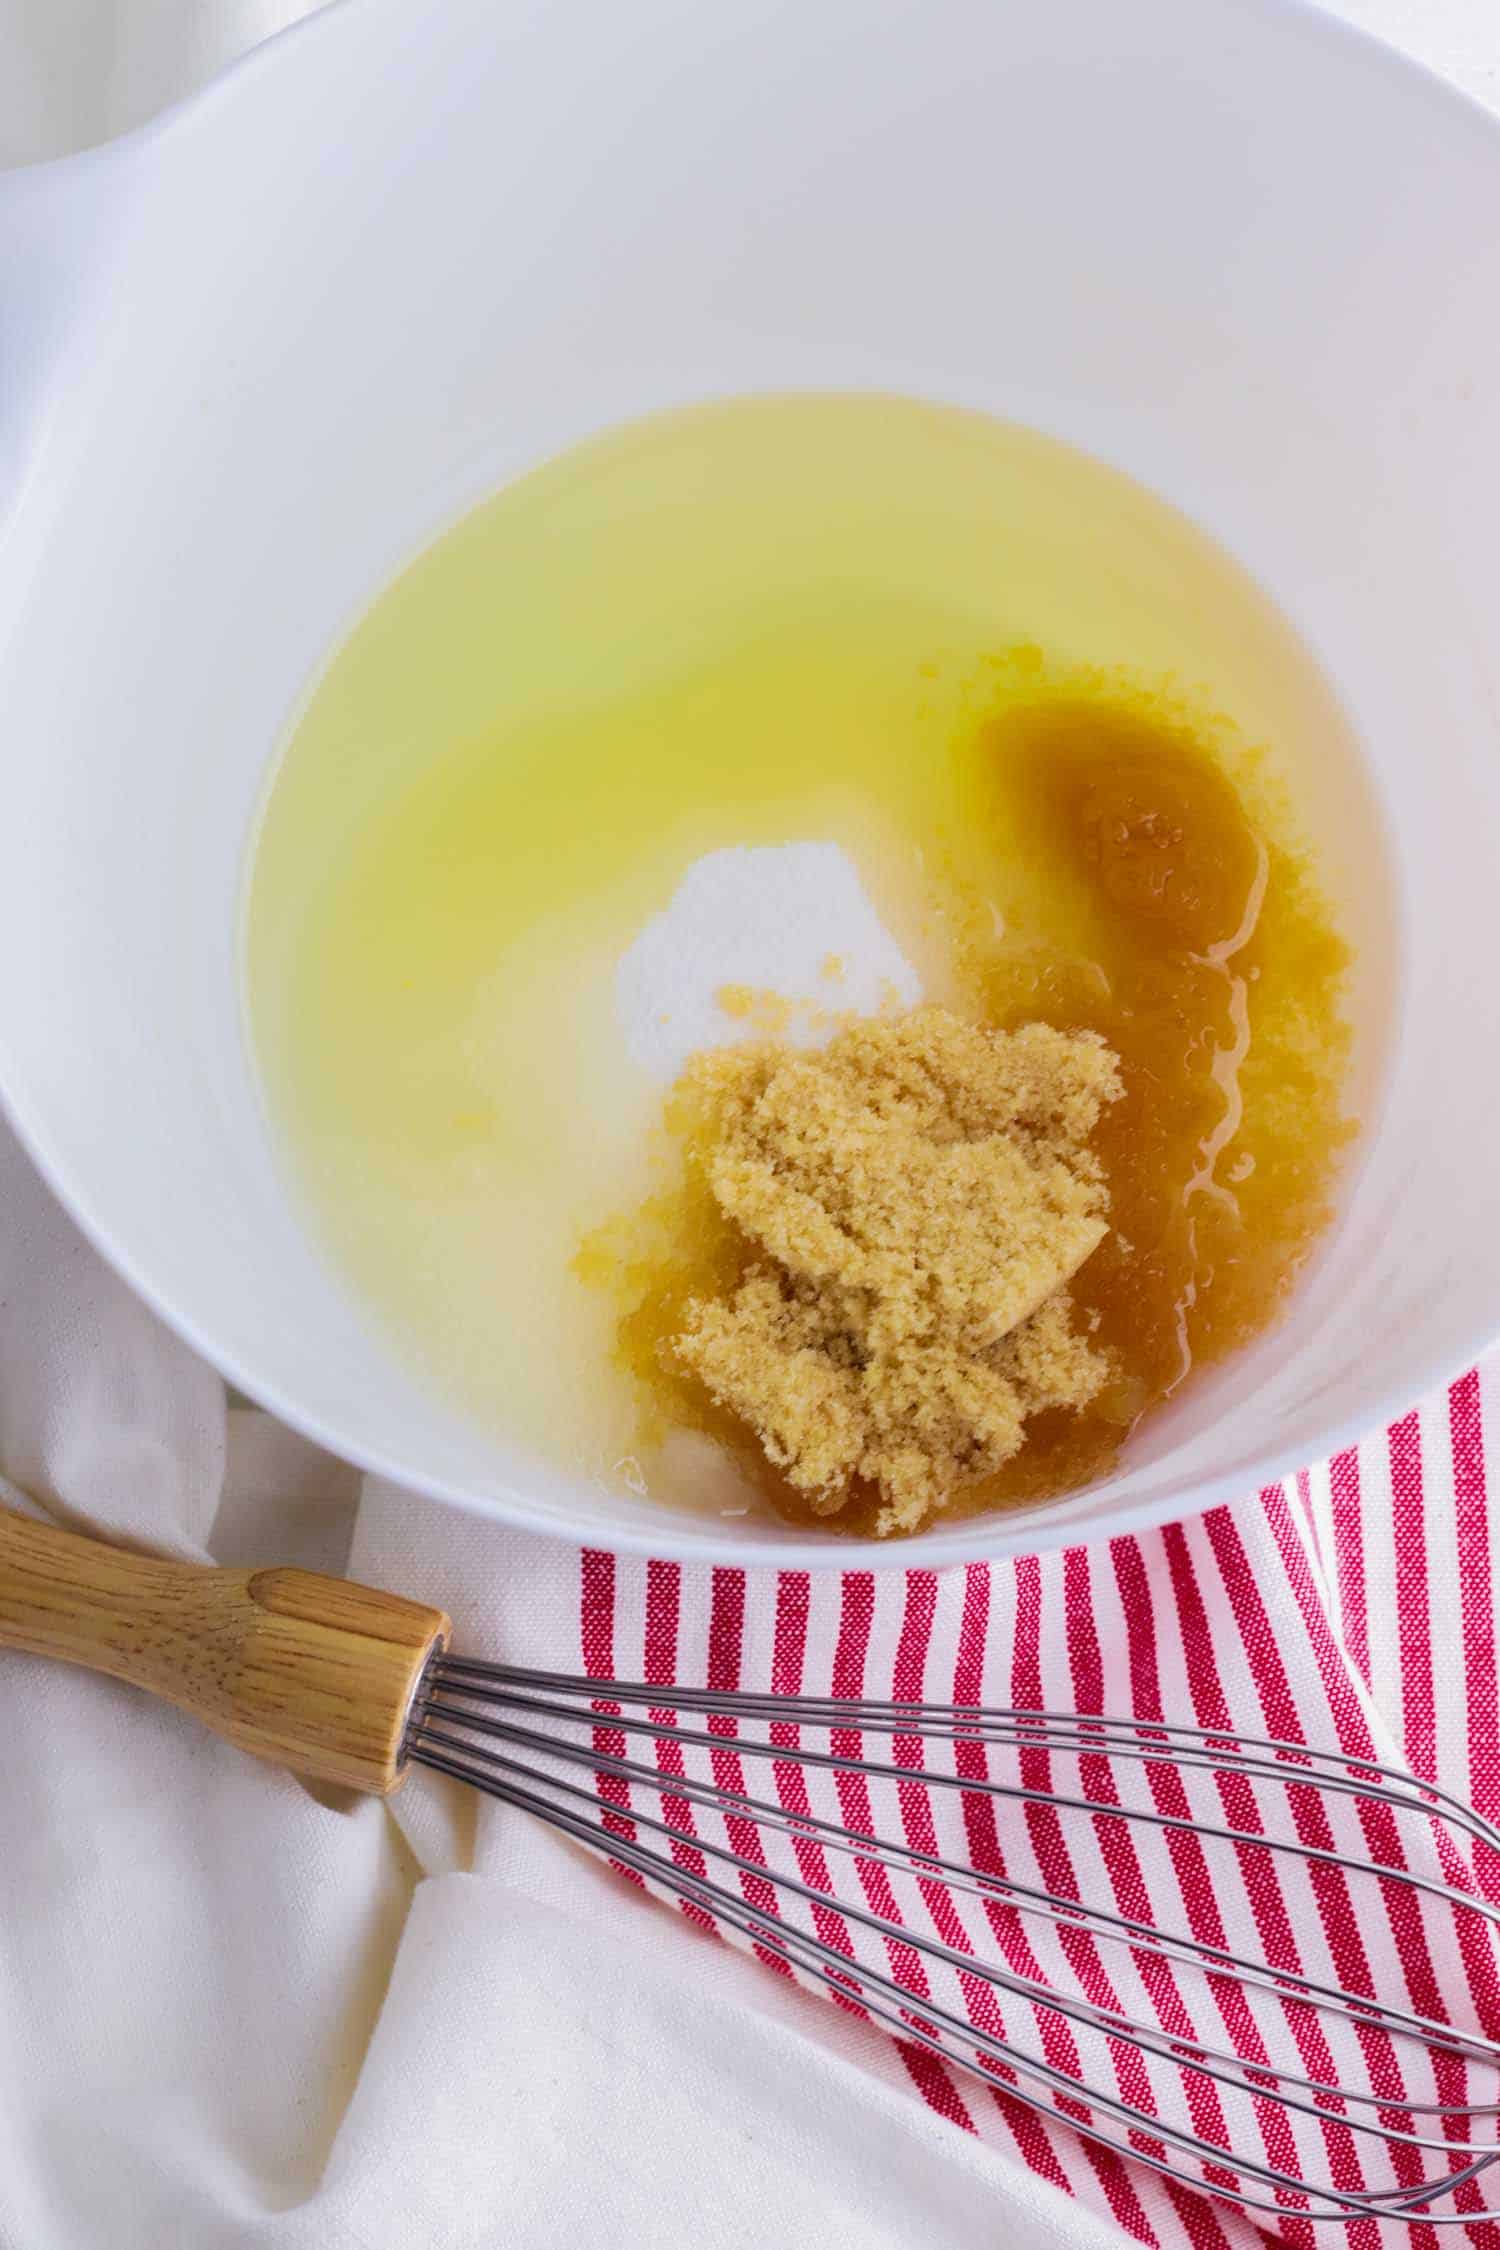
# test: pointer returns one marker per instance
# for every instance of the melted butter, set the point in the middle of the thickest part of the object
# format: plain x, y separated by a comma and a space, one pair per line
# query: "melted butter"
937, 640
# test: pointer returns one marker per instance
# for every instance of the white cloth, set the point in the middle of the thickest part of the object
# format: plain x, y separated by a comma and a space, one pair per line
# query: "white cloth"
230, 2016
235, 2015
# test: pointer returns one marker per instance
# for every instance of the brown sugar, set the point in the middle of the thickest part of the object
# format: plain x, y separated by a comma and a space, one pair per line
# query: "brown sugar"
914, 1200
768, 1014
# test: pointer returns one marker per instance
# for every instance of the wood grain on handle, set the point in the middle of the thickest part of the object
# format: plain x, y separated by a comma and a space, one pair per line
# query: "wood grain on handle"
313, 1673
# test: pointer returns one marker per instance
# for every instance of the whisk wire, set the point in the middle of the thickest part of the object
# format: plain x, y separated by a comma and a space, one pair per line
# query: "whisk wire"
1149, 1816
1162, 1741
506, 1731
908, 2016
1210, 2061
1002, 1889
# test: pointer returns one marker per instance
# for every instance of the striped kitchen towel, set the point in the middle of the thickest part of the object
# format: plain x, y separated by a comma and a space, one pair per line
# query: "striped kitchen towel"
1352, 1610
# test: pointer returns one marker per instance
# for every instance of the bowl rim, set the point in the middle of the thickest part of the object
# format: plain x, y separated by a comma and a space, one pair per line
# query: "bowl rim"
993, 1537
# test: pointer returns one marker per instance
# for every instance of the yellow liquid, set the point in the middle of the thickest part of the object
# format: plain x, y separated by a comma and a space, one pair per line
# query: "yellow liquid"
752, 623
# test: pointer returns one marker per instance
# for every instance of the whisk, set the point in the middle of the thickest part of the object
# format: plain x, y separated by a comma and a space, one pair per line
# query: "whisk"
1006, 1868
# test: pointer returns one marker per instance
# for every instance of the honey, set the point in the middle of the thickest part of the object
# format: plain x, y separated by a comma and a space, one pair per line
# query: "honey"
1213, 971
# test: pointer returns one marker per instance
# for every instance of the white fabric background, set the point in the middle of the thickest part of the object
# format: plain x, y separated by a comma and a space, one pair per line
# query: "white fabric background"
229, 2017
73, 71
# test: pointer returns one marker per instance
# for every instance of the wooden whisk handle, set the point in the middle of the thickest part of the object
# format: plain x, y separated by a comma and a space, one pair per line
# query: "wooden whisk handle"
313, 1673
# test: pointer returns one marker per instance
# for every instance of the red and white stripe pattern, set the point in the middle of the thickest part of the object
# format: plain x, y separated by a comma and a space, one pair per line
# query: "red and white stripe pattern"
1353, 1608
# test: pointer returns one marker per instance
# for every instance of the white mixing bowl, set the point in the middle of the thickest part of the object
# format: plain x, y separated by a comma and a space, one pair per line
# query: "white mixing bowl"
255, 355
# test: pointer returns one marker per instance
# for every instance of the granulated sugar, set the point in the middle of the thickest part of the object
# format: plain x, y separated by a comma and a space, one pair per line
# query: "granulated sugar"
792, 920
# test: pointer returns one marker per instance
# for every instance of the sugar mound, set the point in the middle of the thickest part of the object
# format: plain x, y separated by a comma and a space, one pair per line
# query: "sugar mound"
766, 919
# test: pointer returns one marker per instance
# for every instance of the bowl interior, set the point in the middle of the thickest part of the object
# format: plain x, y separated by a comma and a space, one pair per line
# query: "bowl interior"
402, 255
